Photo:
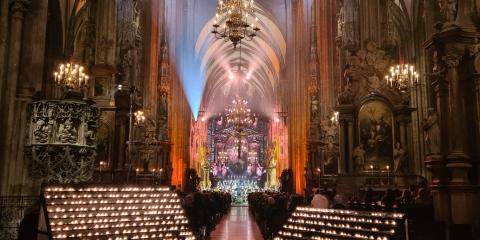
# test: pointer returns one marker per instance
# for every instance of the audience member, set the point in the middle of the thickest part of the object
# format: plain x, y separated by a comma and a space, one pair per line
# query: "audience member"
423, 198
406, 199
320, 200
388, 199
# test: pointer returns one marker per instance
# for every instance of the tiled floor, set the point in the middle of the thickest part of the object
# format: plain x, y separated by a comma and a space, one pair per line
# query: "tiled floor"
237, 225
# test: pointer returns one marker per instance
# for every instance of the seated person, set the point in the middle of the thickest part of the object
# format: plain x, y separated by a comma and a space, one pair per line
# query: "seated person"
320, 200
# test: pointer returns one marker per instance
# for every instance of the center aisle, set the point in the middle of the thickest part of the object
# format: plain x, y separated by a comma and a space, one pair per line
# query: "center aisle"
238, 224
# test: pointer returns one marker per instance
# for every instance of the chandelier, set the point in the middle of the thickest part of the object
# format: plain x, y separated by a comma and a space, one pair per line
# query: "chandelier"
139, 117
222, 156
252, 157
402, 77
71, 76
238, 114
237, 27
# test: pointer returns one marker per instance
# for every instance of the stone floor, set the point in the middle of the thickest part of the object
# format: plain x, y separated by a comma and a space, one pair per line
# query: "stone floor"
237, 225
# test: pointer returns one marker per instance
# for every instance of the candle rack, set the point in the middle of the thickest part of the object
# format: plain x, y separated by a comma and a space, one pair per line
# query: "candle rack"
113, 212
336, 224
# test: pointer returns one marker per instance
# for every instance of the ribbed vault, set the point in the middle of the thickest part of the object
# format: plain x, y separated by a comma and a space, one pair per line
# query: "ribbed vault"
261, 62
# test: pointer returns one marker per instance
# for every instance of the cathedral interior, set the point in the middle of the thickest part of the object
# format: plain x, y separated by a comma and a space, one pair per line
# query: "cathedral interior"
233, 119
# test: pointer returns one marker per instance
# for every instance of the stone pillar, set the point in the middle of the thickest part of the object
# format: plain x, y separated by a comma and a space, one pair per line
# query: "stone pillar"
343, 141
453, 191
436, 162
403, 116
458, 160
347, 138
351, 164
18, 9
3, 45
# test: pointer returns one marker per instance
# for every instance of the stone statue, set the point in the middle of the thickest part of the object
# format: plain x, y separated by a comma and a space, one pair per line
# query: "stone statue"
146, 162
163, 103
374, 82
340, 20
67, 133
432, 133
399, 154
359, 157
42, 131
314, 107
346, 97
448, 10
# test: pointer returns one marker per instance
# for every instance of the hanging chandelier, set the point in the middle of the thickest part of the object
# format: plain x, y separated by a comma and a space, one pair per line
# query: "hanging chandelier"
252, 157
71, 76
402, 77
239, 115
237, 27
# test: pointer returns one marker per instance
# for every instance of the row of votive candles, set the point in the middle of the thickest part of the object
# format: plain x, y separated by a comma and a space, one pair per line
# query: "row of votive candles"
335, 225
349, 212
339, 234
346, 219
105, 189
138, 208
123, 227
111, 195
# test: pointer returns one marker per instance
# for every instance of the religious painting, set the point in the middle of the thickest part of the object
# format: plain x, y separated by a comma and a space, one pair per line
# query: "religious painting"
330, 156
99, 87
375, 122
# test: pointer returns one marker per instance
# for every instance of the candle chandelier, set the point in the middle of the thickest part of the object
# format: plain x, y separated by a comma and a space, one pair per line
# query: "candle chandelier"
71, 76
239, 115
402, 77
237, 27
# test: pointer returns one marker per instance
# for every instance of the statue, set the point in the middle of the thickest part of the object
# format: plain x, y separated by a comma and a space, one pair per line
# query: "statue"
432, 133
346, 97
67, 133
399, 154
42, 131
145, 165
374, 82
314, 107
340, 20
448, 10
359, 157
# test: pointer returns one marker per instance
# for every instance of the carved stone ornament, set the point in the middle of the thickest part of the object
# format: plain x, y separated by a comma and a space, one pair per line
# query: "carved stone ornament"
62, 140
448, 11
364, 73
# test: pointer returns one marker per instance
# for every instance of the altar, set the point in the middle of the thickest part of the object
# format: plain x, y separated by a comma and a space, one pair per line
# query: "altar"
239, 187
238, 161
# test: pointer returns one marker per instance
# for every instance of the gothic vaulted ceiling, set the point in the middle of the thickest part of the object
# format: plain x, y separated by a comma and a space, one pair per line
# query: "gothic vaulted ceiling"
213, 72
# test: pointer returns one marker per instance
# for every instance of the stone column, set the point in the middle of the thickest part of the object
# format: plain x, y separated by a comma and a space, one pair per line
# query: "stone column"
18, 9
458, 160
3, 45
403, 116
351, 164
456, 111
436, 163
346, 139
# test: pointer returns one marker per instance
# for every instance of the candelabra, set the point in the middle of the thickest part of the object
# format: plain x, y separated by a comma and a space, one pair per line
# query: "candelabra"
71, 76
237, 26
238, 114
402, 77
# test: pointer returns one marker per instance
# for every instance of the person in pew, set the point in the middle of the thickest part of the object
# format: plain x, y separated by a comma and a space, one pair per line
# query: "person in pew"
320, 200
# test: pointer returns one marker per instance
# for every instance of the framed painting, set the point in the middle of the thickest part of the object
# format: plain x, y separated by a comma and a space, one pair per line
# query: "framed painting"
375, 123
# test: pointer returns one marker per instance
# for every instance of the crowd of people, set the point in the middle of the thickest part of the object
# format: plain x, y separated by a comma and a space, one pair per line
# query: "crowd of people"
394, 200
204, 210
272, 209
